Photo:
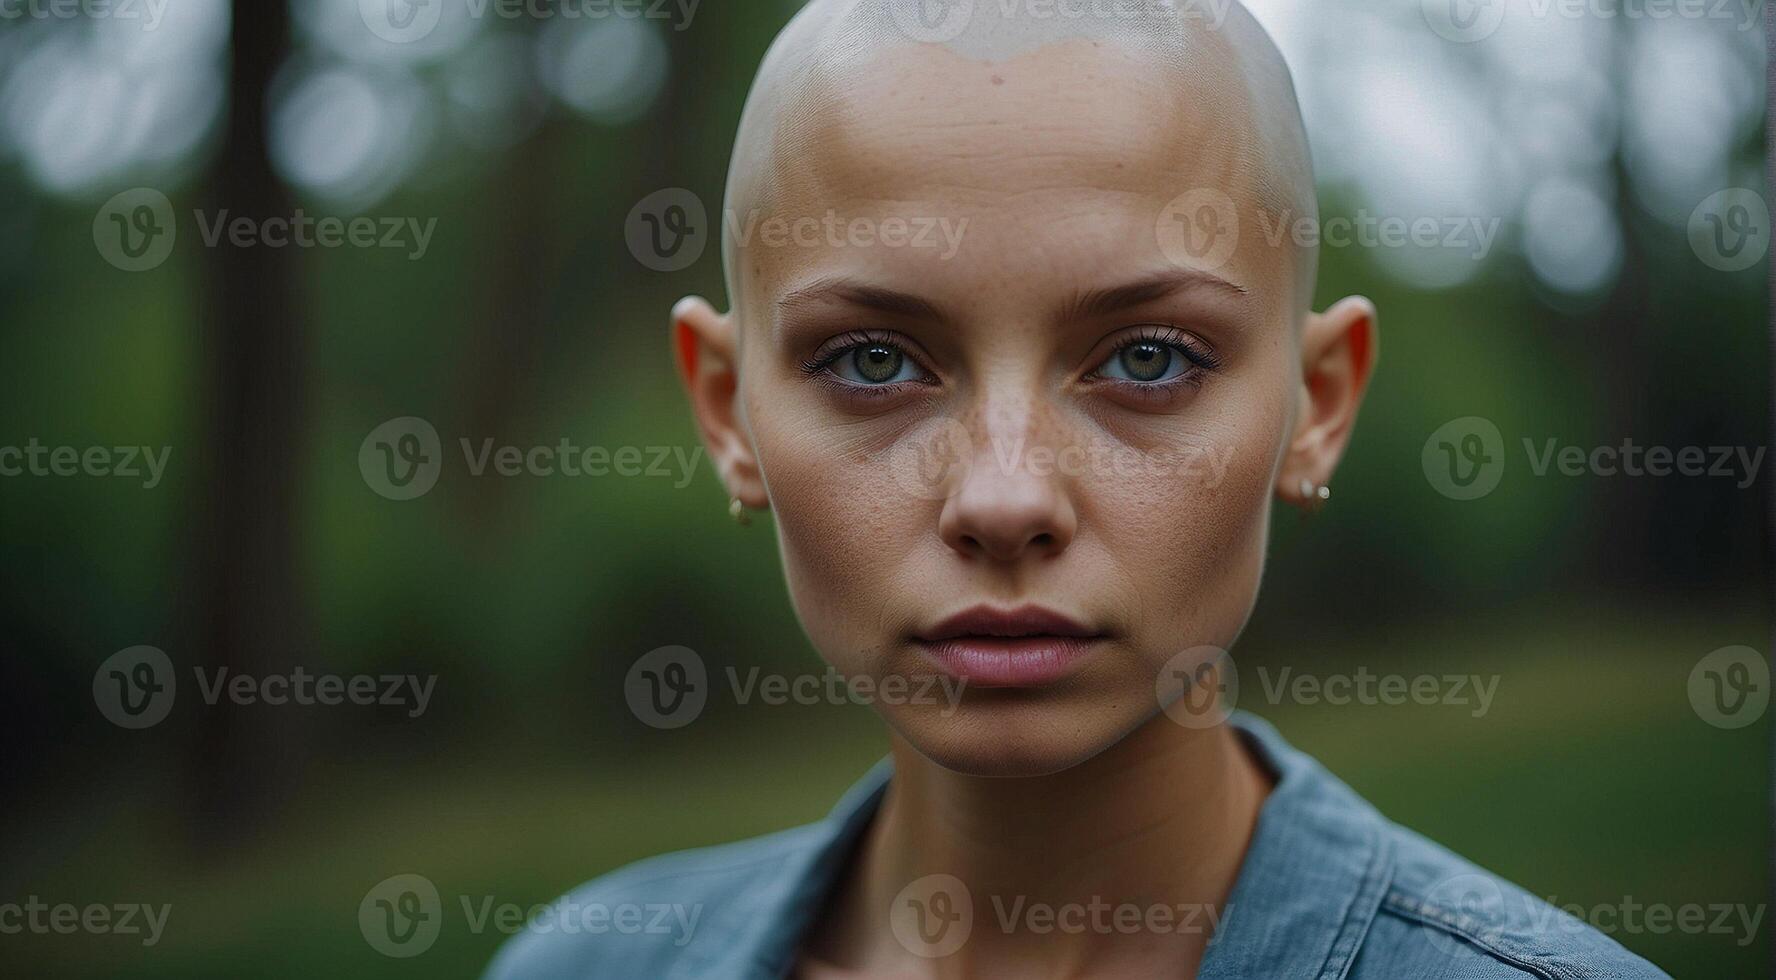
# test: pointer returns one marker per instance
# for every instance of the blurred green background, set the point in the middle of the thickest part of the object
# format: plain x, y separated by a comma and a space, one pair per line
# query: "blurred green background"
1595, 317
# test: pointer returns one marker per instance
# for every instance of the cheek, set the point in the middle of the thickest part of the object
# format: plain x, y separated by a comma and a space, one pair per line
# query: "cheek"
1183, 533
848, 525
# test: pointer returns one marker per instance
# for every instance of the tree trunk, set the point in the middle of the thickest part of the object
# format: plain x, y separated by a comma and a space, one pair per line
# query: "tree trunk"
246, 610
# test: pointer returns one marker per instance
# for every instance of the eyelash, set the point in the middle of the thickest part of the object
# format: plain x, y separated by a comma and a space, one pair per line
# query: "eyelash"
830, 352
1201, 357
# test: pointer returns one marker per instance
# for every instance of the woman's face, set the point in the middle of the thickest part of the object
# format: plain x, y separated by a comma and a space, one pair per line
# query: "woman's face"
1038, 410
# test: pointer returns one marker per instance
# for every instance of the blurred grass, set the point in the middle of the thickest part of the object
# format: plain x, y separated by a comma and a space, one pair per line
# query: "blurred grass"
1589, 780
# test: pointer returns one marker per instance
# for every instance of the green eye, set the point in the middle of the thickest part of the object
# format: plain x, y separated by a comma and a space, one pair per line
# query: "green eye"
1146, 361
877, 363
874, 363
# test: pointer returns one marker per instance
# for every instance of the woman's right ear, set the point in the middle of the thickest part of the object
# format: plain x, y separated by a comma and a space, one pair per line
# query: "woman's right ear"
706, 343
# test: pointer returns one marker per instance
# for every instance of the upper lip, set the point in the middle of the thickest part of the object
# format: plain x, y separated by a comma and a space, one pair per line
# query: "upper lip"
1028, 620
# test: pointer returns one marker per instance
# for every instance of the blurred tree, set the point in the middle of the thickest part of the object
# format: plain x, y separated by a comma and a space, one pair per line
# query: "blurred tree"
248, 613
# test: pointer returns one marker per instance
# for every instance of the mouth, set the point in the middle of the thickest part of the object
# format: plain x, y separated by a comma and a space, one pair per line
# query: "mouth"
1029, 646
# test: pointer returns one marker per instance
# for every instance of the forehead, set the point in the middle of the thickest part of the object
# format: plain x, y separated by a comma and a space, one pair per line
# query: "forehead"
1056, 166
1069, 108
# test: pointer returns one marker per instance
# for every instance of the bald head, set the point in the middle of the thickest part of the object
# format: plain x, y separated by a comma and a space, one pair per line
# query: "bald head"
1189, 93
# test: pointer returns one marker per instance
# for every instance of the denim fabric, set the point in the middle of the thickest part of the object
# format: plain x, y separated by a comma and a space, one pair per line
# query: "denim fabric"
1329, 889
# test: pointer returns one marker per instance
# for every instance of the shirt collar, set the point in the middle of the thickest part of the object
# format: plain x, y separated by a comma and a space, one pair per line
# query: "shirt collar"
774, 936
1314, 875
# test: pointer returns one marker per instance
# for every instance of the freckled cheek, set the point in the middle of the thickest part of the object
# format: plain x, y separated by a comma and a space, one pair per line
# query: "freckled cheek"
848, 531
1189, 538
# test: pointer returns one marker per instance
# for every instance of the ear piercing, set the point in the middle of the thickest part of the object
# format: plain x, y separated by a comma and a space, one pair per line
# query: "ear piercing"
1311, 492
737, 511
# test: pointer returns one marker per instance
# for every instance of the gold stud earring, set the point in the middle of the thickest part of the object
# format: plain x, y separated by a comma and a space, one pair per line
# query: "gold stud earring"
737, 511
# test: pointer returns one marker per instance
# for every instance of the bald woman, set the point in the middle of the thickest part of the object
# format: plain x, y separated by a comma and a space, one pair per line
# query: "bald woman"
1021, 471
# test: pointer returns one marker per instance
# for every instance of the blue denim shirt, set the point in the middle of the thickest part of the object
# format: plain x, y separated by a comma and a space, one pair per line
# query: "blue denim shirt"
1329, 889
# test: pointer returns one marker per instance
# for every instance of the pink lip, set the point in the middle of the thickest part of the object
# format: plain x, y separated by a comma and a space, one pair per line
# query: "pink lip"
1024, 647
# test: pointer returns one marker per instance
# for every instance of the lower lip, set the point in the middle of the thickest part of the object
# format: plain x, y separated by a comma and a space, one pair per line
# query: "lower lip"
1009, 661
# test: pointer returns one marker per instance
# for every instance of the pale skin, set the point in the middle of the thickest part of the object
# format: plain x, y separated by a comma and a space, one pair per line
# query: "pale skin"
1025, 361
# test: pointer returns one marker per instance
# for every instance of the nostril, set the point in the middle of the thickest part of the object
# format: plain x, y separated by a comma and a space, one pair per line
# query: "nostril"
1043, 540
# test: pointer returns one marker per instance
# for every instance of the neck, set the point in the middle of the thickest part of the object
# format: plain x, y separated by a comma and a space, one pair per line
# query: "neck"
1119, 865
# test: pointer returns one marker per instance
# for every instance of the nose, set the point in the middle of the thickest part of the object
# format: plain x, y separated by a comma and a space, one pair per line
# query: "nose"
1012, 503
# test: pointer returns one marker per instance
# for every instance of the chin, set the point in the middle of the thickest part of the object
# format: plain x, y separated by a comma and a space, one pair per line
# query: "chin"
1011, 733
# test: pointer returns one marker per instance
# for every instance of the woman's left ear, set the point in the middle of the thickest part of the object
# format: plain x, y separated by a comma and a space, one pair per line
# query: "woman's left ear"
1338, 350
708, 355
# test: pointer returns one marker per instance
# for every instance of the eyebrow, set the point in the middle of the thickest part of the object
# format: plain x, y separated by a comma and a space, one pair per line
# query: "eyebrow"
1103, 302
889, 301
1092, 303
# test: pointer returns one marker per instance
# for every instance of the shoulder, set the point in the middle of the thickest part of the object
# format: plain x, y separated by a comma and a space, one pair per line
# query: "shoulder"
660, 914
1442, 915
